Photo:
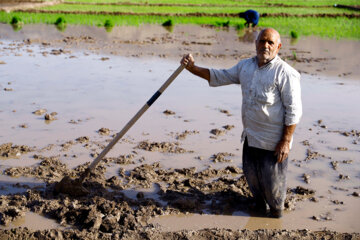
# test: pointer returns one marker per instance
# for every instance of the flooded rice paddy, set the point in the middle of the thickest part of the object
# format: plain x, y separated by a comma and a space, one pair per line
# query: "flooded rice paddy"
190, 129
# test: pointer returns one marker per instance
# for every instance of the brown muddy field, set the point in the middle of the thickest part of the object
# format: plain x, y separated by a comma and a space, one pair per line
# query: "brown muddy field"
177, 173
12, 5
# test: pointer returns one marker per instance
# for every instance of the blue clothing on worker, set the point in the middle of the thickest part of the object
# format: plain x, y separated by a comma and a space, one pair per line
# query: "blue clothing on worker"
251, 16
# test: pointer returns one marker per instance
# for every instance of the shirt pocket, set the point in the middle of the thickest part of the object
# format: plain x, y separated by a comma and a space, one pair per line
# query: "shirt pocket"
266, 94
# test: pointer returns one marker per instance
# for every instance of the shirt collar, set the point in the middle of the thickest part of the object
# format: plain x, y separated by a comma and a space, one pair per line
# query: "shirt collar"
269, 63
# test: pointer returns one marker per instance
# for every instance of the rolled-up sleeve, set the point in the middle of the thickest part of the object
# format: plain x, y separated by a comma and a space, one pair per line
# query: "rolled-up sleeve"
290, 90
220, 77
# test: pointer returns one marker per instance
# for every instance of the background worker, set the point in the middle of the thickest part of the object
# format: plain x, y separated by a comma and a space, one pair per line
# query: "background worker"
251, 17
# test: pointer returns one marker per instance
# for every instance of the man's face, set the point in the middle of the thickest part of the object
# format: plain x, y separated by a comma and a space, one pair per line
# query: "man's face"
267, 46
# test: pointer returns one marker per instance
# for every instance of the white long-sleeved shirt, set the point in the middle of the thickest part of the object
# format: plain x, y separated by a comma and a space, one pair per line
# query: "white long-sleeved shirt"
271, 98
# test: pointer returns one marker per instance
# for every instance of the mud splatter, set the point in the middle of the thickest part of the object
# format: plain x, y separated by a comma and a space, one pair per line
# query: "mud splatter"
165, 147
8, 150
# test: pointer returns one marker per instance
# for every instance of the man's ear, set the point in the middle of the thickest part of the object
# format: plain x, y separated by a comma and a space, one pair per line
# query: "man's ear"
279, 46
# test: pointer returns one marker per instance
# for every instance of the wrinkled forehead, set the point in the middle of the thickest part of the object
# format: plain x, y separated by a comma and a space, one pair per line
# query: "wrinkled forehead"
269, 34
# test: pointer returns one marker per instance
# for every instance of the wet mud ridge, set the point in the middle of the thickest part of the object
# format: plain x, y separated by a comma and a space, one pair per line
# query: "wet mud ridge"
8, 150
196, 14
193, 5
107, 213
15, 5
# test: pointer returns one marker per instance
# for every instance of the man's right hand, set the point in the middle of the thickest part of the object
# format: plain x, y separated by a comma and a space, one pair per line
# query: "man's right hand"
188, 61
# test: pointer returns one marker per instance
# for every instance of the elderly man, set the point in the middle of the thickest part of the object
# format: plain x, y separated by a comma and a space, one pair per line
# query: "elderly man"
271, 108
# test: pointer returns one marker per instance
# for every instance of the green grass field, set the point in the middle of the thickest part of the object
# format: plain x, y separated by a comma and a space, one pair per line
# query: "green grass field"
331, 27
232, 2
184, 9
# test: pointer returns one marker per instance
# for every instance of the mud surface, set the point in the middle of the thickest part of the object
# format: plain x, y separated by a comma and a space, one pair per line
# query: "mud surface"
173, 165
8, 5
8, 150
220, 47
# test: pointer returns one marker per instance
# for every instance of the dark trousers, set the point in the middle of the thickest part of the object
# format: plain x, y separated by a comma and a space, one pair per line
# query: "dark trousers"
265, 176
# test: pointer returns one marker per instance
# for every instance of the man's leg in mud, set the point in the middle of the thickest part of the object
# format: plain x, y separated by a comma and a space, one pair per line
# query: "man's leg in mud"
273, 180
250, 168
266, 178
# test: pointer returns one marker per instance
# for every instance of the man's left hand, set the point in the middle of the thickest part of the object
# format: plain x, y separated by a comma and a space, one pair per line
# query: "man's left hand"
282, 150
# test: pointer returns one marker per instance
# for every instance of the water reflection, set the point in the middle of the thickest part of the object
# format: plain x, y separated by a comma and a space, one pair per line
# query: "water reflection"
34, 221
294, 41
169, 28
109, 28
61, 27
248, 34
255, 223
17, 27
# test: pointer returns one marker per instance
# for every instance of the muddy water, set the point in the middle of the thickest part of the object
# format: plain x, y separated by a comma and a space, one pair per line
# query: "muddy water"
323, 99
34, 221
88, 93
219, 47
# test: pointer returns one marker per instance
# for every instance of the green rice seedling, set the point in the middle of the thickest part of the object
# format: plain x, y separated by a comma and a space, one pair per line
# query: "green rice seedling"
337, 28
208, 9
109, 25
223, 24
230, 2
60, 20
60, 24
294, 55
239, 27
16, 23
168, 23
294, 34
16, 20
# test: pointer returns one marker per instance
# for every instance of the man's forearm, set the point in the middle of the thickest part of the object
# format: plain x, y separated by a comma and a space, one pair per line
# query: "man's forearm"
201, 72
288, 132
283, 147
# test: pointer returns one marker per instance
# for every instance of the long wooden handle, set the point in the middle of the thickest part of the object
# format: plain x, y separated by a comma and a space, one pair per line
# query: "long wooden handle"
120, 134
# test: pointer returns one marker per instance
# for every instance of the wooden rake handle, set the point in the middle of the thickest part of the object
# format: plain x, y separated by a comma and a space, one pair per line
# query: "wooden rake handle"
120, 134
